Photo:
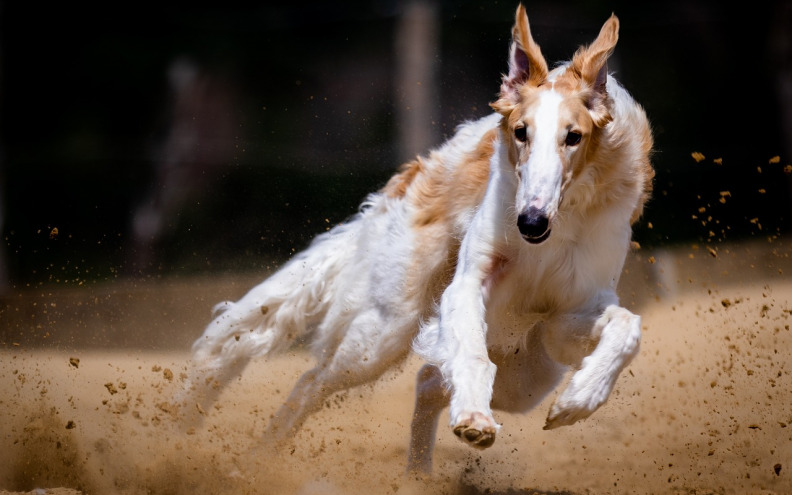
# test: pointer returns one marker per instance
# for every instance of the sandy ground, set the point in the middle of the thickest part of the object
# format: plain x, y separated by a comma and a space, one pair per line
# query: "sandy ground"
86, 373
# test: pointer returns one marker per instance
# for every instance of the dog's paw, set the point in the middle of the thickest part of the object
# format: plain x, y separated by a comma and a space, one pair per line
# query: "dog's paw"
574, 404
185, 411
476, 429
565, 416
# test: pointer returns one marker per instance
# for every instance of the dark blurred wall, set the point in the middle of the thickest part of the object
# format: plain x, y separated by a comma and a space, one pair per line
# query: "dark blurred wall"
146, 141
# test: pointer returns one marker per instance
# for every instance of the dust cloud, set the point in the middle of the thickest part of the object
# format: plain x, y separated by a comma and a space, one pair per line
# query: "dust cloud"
87, 375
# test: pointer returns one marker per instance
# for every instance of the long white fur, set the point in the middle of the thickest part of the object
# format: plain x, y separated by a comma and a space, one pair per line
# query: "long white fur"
515, 315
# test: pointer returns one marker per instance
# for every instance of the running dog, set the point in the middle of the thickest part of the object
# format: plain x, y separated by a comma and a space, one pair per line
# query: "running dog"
495, 258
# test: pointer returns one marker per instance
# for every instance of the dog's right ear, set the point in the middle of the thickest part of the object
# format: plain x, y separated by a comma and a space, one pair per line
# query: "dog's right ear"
526, 63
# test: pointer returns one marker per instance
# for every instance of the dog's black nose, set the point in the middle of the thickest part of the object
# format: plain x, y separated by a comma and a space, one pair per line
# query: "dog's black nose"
534, 225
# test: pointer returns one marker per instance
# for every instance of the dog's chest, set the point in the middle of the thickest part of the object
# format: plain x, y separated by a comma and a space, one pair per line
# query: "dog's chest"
516, 303
531, 288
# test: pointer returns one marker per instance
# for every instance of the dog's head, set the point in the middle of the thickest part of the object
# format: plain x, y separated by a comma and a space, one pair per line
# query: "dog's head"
551, 121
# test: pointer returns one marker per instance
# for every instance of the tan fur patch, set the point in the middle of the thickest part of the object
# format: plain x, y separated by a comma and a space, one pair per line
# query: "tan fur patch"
398, 184
438, 196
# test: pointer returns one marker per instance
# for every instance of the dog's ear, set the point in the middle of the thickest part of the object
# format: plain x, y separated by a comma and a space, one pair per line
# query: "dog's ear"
591, 63
526, 63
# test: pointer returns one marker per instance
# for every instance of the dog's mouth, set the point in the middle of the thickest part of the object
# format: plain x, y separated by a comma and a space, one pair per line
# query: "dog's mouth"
537, 239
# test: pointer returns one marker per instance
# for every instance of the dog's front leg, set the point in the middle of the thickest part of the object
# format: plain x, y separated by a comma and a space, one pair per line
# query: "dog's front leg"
467, 366
457, 344
619, 335
462, 333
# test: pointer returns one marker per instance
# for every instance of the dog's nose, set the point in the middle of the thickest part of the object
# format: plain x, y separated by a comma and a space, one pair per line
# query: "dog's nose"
534, 225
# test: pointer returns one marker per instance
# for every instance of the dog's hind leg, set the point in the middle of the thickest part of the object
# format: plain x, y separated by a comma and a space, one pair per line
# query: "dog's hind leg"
431, 397
204, 385
240, 331
371, 345
270, 317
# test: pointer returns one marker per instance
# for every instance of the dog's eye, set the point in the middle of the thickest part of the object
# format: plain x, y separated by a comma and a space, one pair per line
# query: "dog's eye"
572, 138
521, 134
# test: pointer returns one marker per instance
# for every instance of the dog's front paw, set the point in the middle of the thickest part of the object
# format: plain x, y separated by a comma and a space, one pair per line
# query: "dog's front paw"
576, 402
476, 429
565, 415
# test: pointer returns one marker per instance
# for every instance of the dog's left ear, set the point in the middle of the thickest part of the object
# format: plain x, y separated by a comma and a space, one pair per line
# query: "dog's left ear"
591, 63
526, 63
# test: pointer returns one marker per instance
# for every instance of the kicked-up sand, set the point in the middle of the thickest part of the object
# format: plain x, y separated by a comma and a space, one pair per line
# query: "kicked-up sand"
87, 373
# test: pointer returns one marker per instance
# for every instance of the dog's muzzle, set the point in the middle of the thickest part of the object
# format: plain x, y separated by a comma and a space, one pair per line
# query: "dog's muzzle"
534, 225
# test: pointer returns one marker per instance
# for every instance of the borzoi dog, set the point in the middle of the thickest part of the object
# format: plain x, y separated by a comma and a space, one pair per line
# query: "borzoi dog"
495, 258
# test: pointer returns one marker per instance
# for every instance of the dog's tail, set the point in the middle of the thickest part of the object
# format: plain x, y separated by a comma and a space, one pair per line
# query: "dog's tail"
271, 317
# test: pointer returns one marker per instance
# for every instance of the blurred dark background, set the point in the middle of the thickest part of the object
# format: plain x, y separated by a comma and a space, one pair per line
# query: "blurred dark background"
149, 141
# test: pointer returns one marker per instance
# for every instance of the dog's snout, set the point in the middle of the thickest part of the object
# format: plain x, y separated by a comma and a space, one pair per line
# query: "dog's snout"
534, 225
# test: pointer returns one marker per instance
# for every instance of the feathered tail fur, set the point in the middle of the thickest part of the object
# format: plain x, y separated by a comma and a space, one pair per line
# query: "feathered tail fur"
283, 309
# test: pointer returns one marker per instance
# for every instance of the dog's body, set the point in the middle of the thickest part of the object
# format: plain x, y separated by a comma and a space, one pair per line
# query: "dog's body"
501, 250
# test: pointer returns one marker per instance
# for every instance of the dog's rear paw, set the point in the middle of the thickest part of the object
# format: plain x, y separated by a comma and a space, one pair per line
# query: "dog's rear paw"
186, 411
476, 430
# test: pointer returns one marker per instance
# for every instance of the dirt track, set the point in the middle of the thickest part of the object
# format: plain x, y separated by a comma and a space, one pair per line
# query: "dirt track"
705, 408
